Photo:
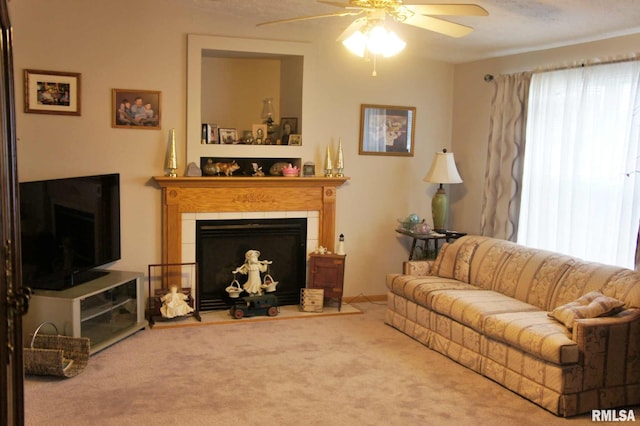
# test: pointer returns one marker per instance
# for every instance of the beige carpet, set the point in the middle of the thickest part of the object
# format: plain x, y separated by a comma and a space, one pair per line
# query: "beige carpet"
333, 370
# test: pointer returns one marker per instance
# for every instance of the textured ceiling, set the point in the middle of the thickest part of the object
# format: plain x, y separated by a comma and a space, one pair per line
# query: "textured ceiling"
512, 26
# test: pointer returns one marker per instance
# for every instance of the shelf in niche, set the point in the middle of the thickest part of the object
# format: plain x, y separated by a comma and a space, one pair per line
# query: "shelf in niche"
245, 166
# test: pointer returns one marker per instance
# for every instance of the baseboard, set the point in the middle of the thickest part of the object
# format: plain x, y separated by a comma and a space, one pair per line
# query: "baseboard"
364, 298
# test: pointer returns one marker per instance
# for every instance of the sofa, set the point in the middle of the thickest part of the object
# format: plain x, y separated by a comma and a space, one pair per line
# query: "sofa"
559, 331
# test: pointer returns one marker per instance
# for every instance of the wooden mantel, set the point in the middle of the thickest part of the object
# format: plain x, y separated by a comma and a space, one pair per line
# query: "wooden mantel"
244, 194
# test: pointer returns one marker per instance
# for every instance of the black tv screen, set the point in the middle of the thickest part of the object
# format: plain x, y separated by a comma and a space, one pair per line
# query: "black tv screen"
69, 227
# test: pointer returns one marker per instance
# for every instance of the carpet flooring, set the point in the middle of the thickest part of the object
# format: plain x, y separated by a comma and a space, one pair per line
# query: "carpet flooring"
332, 370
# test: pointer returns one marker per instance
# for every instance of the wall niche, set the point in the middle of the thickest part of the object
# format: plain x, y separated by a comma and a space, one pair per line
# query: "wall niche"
227, 80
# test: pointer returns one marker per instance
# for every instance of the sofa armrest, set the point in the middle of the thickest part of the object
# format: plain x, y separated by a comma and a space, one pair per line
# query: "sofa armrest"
609, 348
417, 267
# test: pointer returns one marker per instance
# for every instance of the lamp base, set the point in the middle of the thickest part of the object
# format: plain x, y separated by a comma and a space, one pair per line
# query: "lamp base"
439, 207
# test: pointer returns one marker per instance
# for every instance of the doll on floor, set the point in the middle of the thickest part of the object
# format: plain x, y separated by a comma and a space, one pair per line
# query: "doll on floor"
174, 304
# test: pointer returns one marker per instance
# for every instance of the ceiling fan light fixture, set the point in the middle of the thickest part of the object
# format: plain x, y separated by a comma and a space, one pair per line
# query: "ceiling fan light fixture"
393, 44
356, 43
377, 40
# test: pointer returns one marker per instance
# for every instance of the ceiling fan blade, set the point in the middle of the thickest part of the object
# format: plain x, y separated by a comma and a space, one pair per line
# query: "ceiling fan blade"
305, 18
352, 28
335, 3
438, 25
448, 9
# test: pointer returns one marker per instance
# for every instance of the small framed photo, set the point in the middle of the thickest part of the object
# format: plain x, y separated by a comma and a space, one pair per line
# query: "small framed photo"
259, 133
228, 136
288, 126
136, 109
295, 139
210, 133
387, 130
51, 92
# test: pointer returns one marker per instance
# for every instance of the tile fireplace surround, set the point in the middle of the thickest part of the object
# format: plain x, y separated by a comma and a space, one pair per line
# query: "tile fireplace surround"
184, 195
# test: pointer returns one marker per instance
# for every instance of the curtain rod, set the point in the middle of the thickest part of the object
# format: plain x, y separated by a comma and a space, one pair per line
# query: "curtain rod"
630, 57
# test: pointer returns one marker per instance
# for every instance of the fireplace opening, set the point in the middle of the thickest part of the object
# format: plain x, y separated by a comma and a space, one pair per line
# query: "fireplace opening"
221, 246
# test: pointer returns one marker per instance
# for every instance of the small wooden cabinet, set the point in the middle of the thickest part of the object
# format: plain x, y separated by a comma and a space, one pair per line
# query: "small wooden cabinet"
105, 310
326, 271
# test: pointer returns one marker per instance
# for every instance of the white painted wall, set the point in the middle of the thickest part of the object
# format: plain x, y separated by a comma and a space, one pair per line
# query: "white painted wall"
142, 45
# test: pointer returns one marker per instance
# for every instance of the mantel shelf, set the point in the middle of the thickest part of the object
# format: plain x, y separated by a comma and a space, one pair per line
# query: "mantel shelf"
244, 194
226, 182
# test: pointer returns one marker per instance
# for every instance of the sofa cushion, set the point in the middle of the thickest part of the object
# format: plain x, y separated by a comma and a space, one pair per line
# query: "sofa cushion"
535, 333
625, 286
419, 289
583, 277
591, 305
454, 259
471, 307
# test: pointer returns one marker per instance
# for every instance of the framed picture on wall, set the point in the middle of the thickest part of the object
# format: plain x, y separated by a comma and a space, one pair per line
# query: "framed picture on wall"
136, 109
387, 130
51, 92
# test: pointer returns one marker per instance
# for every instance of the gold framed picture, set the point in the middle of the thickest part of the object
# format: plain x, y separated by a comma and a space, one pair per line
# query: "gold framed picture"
51, 92
136, 109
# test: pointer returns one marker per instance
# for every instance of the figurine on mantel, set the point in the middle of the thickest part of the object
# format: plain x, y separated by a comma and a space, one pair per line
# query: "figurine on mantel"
252, 267
174, 304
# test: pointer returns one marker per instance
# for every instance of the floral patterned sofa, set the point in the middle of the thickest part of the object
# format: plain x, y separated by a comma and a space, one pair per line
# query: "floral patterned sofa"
561, 332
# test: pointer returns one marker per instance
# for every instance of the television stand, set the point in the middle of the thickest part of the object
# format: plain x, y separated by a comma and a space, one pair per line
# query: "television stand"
82, 277
106, 310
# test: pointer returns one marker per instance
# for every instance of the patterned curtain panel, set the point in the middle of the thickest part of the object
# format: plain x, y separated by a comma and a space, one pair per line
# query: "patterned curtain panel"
503, 177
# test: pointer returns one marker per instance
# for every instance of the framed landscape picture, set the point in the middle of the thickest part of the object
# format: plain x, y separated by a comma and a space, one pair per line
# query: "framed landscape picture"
136, 109
51, 92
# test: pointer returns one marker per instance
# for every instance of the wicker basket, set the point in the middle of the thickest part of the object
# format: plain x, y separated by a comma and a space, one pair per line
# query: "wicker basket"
56, 355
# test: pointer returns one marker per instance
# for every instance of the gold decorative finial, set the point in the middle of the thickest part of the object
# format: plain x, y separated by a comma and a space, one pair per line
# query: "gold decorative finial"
172, 161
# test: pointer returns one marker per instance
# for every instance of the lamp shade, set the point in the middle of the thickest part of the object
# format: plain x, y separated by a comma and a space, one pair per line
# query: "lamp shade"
443, 169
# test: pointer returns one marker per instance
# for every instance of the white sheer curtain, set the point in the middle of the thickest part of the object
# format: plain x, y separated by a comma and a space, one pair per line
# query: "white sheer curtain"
581, 194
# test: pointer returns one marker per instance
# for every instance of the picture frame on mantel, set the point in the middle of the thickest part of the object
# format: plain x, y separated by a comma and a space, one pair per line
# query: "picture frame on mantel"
51, 92
295, 139
387, 130
136, 109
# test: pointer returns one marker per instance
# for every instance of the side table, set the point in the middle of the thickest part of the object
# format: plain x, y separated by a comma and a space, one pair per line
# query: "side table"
326, 271
436, 238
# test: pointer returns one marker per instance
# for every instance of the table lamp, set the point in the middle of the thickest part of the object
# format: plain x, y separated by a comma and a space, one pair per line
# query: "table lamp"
443, 170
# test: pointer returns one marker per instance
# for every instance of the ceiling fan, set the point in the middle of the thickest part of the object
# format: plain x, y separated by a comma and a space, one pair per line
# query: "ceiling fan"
374, 12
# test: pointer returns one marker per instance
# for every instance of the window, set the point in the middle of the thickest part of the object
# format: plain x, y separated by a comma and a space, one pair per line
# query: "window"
581, 191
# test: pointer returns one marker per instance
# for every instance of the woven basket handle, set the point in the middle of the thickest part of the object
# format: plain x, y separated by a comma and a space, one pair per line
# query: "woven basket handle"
35, 333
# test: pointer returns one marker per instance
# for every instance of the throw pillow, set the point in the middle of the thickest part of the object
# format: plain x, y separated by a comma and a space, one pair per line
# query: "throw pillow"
591, 305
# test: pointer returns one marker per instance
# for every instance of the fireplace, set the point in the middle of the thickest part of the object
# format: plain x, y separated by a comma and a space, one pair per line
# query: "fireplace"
187, 200
221, 246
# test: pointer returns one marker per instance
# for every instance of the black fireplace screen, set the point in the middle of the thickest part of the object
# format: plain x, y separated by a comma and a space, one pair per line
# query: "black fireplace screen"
221, 246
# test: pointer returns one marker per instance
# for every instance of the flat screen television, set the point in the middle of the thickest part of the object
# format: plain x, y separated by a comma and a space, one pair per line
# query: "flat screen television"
69, 227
